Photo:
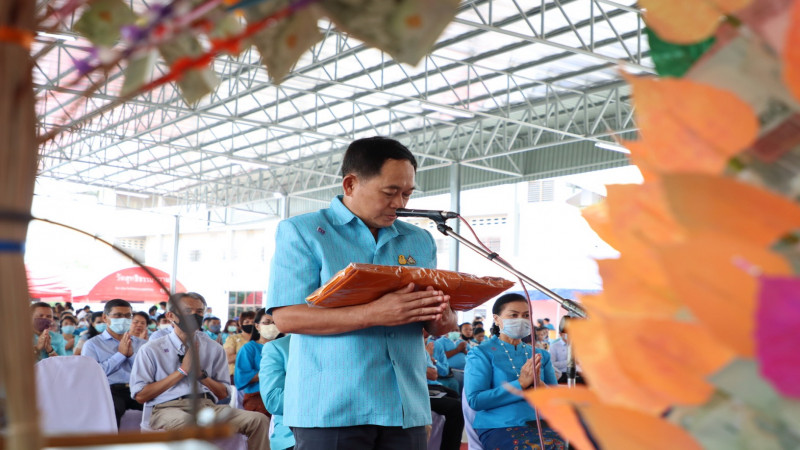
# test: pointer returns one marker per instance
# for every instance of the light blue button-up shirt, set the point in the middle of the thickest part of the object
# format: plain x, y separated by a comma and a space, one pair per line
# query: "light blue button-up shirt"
104, 349
248, 362
457, 361
272, 378
442, 365
488, 368
158, 358
57, 341
371, 376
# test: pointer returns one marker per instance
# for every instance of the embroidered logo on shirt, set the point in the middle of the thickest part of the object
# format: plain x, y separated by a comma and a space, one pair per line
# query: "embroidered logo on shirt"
320, 230
403, 260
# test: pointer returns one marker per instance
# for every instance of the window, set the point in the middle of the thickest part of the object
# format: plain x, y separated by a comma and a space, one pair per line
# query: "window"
540, 191
194, 255
240, 301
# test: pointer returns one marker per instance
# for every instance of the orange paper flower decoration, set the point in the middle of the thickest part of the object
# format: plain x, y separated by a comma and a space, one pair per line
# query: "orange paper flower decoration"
689, 126
687, 21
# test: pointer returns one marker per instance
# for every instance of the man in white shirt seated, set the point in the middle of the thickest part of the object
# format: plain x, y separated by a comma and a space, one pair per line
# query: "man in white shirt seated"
160, 375
115, 349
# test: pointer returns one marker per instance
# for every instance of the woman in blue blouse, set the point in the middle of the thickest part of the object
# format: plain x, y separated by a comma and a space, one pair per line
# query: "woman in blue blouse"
501, 418
248, 362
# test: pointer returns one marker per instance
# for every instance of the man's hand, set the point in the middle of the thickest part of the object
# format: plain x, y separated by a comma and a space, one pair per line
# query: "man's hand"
406, 306
530, 370
462, 347
429, 347
186, 365
125, 345
43, 343
431, 373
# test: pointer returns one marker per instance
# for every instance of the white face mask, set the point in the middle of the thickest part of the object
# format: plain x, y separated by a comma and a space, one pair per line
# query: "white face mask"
164, 326
516, 328
268, 332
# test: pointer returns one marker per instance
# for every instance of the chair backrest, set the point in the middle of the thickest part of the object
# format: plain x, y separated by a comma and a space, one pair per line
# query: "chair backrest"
73, 396
473, 441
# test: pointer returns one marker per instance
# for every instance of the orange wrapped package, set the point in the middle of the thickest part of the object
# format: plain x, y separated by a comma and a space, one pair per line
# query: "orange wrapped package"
357, 284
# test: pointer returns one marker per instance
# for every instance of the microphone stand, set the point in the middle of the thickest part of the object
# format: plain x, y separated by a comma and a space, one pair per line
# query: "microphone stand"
574, 308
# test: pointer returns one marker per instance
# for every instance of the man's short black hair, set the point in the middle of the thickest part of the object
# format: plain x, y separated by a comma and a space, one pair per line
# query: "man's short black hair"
152, 309
116, 303
478, 331
365, 157
40, 305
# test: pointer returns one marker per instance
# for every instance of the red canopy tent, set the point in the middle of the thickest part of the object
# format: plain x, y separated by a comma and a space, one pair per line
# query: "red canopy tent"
134, 285
49, 288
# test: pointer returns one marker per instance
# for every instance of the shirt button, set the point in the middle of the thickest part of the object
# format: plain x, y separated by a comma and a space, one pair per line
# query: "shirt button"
394, 363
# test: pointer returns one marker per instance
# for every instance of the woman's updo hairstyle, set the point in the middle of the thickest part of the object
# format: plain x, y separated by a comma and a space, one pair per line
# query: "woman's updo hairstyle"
500, 305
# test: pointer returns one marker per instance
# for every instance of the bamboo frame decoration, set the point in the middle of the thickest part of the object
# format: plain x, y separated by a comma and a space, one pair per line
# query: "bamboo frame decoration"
18, 162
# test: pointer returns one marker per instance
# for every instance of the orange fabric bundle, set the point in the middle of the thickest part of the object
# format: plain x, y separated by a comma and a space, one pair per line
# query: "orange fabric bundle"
357, 284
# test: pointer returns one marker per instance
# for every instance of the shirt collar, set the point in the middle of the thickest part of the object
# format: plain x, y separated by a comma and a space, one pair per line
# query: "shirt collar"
176, 342
341, 215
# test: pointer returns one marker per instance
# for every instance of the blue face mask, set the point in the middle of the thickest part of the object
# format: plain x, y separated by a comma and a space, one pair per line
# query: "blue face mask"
100, 327
68, 329
214, 328
121, 325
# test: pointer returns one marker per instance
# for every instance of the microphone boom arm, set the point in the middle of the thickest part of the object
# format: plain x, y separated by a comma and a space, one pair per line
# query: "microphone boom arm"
574, 308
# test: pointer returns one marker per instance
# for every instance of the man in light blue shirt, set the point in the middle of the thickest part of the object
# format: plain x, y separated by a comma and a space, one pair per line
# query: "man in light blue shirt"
46, 344
159, 376
355, 377
115, 350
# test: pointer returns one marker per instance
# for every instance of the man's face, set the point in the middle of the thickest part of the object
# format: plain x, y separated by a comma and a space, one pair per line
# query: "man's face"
138, 324
117, 312
541, 335
43, 313
466, 330
375, 200
188, 306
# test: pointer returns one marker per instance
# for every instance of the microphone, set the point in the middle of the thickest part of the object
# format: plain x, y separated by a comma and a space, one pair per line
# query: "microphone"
426, 213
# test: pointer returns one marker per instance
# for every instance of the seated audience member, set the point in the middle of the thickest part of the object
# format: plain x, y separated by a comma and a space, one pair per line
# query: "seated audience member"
139, 325
231, 327
446, 402
466, 331
68, 327
542, 339
46, 343
271, 379
248, 362
501, 418
456, 352
68, 308
152, 312
558, 353
547, 324
152, 326
214, 329
96, 326
115, 349
478, 336
235, 342
160, 375
436, 350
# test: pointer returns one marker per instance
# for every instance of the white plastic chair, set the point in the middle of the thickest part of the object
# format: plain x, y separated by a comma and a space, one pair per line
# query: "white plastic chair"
473, 441
437, 428
73, 396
